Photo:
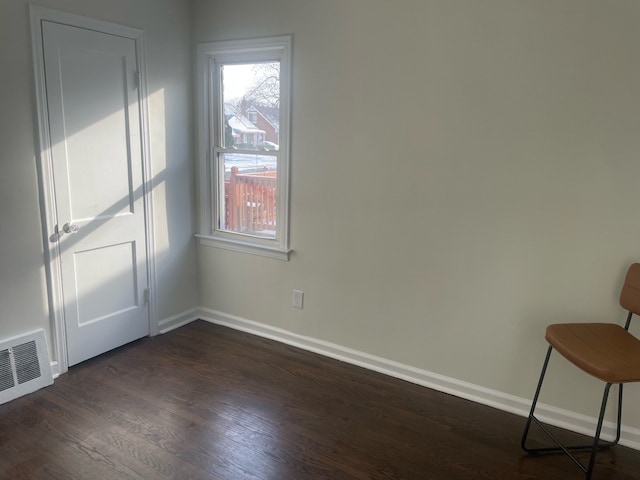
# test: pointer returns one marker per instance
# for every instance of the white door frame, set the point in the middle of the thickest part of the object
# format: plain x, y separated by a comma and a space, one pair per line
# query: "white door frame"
45, 172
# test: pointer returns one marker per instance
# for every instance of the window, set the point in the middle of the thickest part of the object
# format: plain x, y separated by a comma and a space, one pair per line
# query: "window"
244, 174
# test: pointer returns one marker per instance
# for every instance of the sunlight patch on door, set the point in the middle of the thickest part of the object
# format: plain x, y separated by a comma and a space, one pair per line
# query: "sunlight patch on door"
106, 282
96, 126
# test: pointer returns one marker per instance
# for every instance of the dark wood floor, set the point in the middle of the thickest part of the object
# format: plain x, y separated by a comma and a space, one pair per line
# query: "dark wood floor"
206, 402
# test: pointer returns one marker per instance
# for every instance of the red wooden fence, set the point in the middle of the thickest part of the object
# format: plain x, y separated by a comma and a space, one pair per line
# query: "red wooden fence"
250, 200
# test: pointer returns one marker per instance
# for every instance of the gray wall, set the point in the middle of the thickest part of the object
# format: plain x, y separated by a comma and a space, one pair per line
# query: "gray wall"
167, 23
463, 173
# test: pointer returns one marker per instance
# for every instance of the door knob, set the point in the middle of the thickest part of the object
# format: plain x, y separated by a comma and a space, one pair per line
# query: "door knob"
66, 228
70, 228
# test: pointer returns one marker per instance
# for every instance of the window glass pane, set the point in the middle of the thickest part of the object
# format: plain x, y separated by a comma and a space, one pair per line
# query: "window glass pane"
250, 192
251, 99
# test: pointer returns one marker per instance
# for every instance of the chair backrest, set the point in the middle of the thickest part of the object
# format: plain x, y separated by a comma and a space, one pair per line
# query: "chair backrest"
630, 295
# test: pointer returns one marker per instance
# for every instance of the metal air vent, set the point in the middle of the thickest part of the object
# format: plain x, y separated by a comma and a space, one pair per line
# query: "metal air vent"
24, 365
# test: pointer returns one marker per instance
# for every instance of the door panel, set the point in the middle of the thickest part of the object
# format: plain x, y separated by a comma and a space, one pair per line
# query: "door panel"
94, 123
96, 186
110, 269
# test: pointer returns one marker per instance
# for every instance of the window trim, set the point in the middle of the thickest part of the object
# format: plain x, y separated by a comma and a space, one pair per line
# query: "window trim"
209, 108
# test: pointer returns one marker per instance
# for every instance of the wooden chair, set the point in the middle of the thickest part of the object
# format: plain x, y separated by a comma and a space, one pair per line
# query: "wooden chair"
605, 351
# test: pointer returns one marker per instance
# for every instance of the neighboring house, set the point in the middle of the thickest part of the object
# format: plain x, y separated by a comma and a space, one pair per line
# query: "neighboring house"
267, 119
245, 134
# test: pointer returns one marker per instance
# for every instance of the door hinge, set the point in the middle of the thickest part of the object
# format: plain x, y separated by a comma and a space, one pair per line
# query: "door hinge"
147, 295
136, 79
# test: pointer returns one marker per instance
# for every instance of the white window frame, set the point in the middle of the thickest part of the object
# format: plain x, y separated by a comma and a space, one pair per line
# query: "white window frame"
210, 127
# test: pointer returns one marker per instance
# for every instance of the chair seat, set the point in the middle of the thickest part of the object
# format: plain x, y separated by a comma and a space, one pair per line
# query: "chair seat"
604, 350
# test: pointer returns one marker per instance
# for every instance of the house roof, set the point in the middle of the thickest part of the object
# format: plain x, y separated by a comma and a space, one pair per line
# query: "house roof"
270, 114
239, 123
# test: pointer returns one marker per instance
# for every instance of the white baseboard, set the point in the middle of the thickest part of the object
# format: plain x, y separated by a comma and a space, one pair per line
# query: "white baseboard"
485, 396
171, 323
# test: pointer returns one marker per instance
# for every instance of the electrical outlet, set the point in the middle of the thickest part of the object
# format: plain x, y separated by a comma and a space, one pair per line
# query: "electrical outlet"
298, 298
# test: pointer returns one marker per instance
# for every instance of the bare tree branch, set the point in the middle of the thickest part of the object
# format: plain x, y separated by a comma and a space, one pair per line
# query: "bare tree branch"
265, 90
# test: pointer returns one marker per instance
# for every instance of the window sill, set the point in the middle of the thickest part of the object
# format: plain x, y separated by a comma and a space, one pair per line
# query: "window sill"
244, 247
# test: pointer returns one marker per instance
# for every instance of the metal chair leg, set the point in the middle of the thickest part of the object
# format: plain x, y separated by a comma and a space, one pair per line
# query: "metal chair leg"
596, 438
593, 447
533, 404
619, 419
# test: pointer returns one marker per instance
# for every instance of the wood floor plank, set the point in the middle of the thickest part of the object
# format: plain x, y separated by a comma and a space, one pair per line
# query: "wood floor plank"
208, 402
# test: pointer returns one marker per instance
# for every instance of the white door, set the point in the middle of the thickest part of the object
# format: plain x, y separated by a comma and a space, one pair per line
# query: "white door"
96, 152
